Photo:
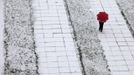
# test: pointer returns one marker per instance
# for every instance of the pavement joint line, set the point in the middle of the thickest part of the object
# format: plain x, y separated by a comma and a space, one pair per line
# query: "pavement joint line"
50, 47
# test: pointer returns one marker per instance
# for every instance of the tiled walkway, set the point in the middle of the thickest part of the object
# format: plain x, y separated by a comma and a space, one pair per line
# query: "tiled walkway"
1, 37
116, 39
54, 40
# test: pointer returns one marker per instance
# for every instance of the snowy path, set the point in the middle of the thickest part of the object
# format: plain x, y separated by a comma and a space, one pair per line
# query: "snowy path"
116, 39
54, 40
1, 37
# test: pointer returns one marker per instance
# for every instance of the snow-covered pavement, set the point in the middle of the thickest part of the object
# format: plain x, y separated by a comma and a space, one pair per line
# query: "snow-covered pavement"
1, 37
116, 39
54, 40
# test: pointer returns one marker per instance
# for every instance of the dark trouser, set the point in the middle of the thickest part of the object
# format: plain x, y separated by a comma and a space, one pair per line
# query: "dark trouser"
101, 26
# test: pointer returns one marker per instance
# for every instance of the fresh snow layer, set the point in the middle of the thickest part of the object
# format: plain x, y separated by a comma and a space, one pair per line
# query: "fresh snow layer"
127, 9
1, 37
54, 41
20, 54
83, 22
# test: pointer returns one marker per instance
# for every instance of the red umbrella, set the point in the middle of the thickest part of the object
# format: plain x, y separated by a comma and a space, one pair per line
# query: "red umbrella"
102, 16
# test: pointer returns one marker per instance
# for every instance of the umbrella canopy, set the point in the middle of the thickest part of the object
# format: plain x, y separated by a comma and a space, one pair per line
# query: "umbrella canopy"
102, 16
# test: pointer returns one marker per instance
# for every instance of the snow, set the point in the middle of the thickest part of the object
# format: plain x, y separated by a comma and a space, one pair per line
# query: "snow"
20, 56
1, 37
127, 10
54, 40
83, 22
116, 39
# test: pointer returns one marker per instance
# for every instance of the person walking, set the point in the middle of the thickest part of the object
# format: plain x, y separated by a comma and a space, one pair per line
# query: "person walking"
102, 17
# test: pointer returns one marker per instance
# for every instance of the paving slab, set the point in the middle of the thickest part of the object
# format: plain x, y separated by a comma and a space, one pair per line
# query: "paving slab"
54, 39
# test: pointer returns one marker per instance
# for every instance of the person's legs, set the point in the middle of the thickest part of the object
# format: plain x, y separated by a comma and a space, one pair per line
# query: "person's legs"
101, 26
